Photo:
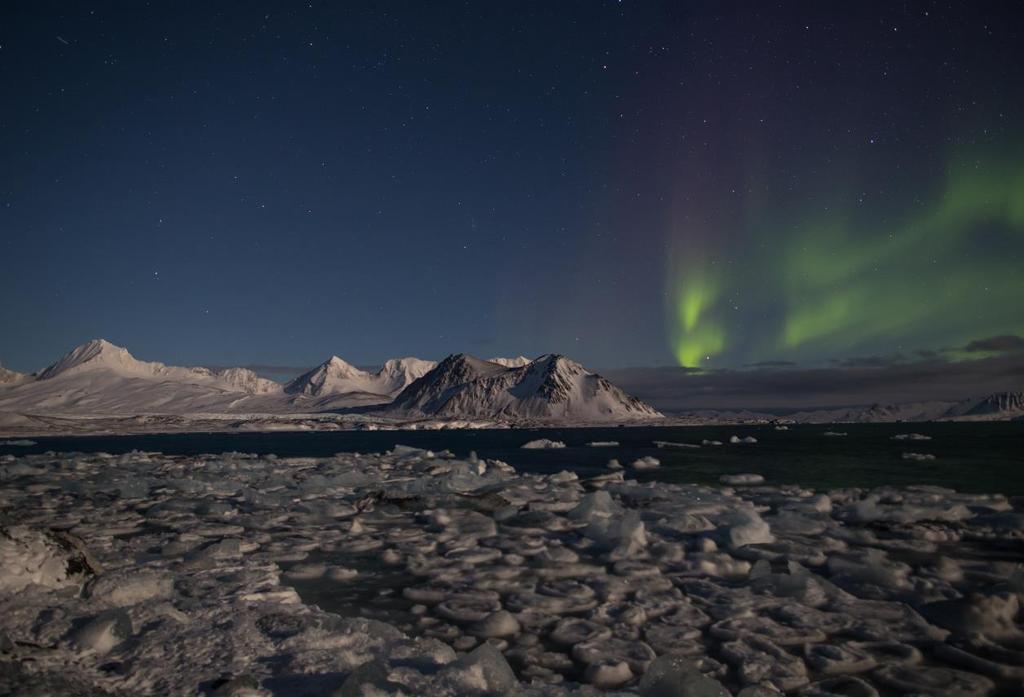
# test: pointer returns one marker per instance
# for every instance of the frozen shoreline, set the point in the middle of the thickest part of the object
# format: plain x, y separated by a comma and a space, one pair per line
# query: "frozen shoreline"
574, 581
17, 425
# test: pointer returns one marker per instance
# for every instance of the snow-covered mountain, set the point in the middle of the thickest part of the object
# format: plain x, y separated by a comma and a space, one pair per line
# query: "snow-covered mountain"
551, 387
101, 355
10, 376
336, 377
99, 377
876, 413
994, 407
1002, 405
517, 362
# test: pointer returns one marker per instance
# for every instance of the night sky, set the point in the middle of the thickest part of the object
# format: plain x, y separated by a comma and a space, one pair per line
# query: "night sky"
629, 183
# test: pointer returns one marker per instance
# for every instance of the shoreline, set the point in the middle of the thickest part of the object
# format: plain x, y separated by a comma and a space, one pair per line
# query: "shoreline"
326, 423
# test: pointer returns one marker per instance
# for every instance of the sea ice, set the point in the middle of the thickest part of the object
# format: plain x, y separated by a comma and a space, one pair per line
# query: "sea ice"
543, 444
911, 436
746, 527
741, 479
675, 676
103, 632
646, 463
649, 588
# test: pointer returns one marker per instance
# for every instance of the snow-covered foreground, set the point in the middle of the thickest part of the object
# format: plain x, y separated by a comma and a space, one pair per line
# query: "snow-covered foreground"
152, 574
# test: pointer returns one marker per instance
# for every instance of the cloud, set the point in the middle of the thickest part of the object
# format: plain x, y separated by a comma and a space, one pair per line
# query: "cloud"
852, 383
871, 361
771, 364
1007, 343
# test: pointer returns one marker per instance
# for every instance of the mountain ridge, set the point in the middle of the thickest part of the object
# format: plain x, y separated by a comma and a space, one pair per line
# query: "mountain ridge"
337, 377
550, 387
101, 378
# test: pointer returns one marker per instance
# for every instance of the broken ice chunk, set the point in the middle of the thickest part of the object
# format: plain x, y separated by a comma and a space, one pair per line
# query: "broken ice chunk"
741, 479
498, 624
675, 676
130, 586
543, 444
746, 527
103, 632
608, 674
646, 463
484, 670
598, 504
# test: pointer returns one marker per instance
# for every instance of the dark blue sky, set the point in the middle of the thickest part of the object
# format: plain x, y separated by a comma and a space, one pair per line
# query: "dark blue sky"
271, 183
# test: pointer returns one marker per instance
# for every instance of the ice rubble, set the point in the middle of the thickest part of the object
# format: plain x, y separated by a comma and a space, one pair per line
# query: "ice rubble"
149, 574
543, 444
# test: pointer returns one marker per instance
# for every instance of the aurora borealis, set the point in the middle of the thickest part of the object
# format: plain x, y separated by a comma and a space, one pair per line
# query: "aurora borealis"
708, 185
948, 271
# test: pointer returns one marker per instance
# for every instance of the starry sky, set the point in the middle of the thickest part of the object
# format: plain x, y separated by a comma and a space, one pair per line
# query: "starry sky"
709, 185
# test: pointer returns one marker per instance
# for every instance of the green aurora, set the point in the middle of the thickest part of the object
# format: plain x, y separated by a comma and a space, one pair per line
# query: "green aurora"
946, 273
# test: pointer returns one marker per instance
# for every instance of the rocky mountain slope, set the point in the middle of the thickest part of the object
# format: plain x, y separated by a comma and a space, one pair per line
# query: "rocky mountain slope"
551, 387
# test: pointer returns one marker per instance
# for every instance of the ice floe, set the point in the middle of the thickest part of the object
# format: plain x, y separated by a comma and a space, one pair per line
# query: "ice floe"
543, 444
419, 573
646, 463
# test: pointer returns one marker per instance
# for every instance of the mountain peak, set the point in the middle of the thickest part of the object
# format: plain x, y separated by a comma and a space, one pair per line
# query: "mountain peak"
336, 377
97, 353
550, 387
340, 366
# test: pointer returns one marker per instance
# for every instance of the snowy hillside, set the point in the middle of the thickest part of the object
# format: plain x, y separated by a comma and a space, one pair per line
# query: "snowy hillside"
10, 376
101, 355
336, 377
517, 362
99, 377
548, 388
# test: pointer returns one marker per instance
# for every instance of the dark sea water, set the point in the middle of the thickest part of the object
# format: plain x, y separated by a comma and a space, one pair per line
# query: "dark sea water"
973, 457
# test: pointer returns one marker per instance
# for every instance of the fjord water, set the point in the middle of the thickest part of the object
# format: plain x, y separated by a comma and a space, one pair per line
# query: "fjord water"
970, 457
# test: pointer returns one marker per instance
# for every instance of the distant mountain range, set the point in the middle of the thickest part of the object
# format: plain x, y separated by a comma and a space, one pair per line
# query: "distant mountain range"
99, 378
1001, 406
